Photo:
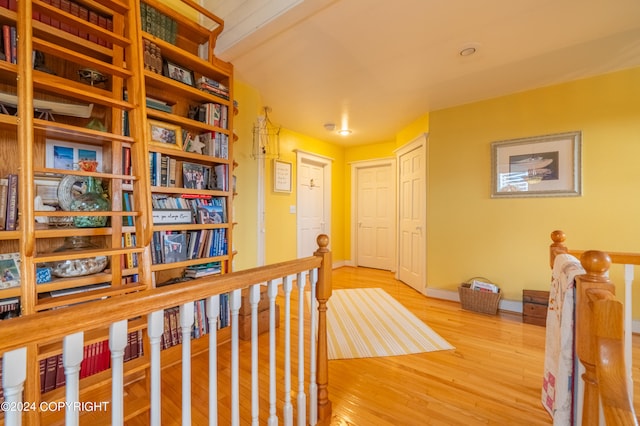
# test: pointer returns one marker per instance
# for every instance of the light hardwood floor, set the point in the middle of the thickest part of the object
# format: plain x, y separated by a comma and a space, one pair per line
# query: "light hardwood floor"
493, 377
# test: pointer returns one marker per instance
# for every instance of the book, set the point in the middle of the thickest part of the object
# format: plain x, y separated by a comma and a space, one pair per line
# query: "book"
175, 247
3, 203
12, 203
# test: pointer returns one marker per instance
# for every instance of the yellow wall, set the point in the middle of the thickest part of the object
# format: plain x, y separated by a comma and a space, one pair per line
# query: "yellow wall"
245, 206
506, 240
469, 233
280, 224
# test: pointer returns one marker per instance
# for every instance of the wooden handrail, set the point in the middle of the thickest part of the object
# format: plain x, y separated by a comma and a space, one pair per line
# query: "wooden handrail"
599, 338
54, 325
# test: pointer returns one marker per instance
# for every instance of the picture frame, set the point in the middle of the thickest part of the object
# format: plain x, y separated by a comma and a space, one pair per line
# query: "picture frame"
178, 73
281, 176
165, 134
9, 270
195, 176
174, 247
66, 155
171, 216
539, 166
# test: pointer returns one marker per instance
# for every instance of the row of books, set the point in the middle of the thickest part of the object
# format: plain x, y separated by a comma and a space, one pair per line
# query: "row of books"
172, 334
212, 86
178, 246
96, 358
9, 203
203, 270
158, 24
205, 210
214, 114
9, 308
169, 172
129, 260
76, 9
213, 144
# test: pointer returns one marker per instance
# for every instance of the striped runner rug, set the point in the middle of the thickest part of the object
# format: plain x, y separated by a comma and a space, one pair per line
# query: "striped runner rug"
368, 322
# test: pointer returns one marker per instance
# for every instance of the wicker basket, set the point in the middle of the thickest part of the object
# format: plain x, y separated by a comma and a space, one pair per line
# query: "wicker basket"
484, 302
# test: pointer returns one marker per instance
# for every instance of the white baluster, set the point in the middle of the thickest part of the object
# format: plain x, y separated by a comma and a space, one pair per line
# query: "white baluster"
14, 373
272, 291
186, 323
254, 299
287, 409
213, 311
628, 319
302, 398
72, 353
313, 385
117, 343
235, 300
155, 328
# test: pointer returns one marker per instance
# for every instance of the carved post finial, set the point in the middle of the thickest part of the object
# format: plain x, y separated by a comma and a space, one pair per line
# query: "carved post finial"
557, 247
596, 264
323, 243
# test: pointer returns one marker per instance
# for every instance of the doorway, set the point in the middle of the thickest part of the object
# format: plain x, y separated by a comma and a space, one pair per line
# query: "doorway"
412, 213
313, 201
374, 212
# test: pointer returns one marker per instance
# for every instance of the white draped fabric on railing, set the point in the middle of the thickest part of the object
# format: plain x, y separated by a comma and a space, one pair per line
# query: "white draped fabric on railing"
280, 388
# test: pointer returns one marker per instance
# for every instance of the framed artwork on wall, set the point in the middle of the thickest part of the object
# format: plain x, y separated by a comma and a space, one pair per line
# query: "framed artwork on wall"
539, 166
281, 176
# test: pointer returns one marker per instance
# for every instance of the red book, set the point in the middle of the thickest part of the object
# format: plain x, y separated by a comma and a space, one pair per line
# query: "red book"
74, 9
54, 21
4, 3
93, 18
6, 38
45, 19
65, 6
13, 5
102, 23
60, 377
83, 13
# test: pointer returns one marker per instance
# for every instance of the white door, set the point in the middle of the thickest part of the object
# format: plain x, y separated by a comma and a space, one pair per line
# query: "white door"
314, 201
412, 214
375, 224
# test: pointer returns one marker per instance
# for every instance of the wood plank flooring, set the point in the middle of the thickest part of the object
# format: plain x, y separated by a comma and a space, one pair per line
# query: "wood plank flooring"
493, 377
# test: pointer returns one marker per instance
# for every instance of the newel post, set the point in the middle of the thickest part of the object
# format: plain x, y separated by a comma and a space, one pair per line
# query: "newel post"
323, 293
557, 247
596, 264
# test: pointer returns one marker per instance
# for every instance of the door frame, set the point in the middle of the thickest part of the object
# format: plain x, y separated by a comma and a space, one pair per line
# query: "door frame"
304, 157
355, 167
420, 142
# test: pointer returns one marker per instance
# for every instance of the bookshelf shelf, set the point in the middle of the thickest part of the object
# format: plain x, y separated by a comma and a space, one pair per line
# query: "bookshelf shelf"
63, 121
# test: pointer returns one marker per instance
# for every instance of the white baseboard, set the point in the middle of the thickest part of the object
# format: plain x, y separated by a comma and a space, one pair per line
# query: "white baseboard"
514, 306
505, 305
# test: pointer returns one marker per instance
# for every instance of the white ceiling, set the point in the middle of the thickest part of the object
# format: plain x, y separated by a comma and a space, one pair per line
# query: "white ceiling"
377, 65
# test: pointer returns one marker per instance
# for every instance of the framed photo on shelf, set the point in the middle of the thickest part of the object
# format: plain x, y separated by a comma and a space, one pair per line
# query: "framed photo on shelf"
175, 247
195, 176
165, 134
66, 155
178, 73
540, 166
9, 270
281, 176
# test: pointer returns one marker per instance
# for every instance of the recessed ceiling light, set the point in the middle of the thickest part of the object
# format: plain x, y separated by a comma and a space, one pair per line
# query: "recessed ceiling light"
468, 51
330, 126
344, 132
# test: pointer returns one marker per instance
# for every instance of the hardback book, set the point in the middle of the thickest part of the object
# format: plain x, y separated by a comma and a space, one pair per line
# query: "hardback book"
12, 203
